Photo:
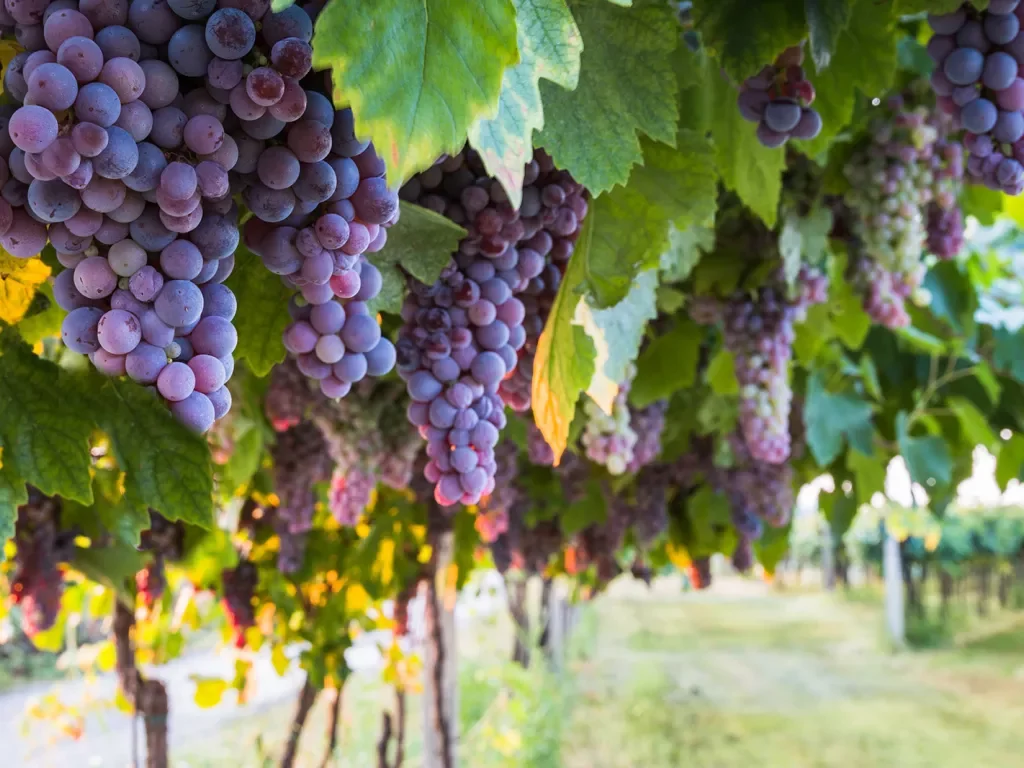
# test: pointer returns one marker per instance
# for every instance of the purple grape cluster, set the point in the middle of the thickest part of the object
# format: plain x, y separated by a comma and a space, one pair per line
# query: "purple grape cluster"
121, 155
38, 584
315, 238
461, 335
778, 99
979, 56
647, 424
301, 461
560, 204
945, 220
884, 294
758, 330
537, 448
492, 517
239, 587
368, 440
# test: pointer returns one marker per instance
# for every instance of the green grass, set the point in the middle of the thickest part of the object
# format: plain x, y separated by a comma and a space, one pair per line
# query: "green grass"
738, 677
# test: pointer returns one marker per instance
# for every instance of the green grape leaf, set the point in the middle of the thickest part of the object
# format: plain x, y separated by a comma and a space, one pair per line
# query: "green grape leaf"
913, 7
422, 243
751, 170
804, 240
110, 513
13, 494
864, 60
973, 422
921, 341
721, 374
167, 467
747, 38
549, 46
262, 312
244, 461
708, 513
417, 73
45, 324
927, 458
868, 474
668, 364
617, 332
588, 510
674, 187
831, 419
686, 247
1008, 355
44, 428
982, 203
825, 20
772, 547
392, 291
1009, 461
564, 362
113, 565
839, 510
914, 57
988, 381
627, 86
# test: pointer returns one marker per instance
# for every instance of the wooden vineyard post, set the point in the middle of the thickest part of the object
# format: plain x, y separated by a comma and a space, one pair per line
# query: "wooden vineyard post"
440, 676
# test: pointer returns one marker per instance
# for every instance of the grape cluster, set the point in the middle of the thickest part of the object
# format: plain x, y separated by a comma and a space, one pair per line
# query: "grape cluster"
461, 334
778, 99
537, 448
315, 236
239, 585
979, 55
609, 439
492, 517
38, 583
301, 461
288, 396
904, 187
647, 424
552, 200
150, 583
758, 330
743, 555
368, 439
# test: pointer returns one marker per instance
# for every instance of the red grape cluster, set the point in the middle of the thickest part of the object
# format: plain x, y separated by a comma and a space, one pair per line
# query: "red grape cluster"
979, 56
778, 99
38, 582
301, 461
609, 438
239, 587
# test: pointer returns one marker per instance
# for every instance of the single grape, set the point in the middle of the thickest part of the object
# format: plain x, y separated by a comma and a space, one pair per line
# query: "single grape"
79, 330
119, 332
176, 381
195, 411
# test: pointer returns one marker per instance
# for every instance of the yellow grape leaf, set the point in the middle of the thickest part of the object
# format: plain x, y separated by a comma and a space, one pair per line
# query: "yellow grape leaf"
279, 660
209, 691
106, 657
19, 280
357, 600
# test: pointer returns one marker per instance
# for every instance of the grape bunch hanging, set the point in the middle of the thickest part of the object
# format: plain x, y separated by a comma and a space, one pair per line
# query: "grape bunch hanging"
463, 335
979, 55
138, 122
758, 328
904, 184
778, 99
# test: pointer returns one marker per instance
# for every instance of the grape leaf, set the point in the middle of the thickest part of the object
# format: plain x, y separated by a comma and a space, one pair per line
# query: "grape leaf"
864, 60
110, 513
392, 291
19, 280
911, 7
674, 187
12, 495
927, 458
549, 46
1009, 461
751, 170
44, 427
686, 247
417, 73
585, 511
831, 419
262, 312
825, 20
36, 327
868, 474
721, 374
667, 365
617, 332
167, 467
749, 37
422, 242
973, 423
627, 85
564, 361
